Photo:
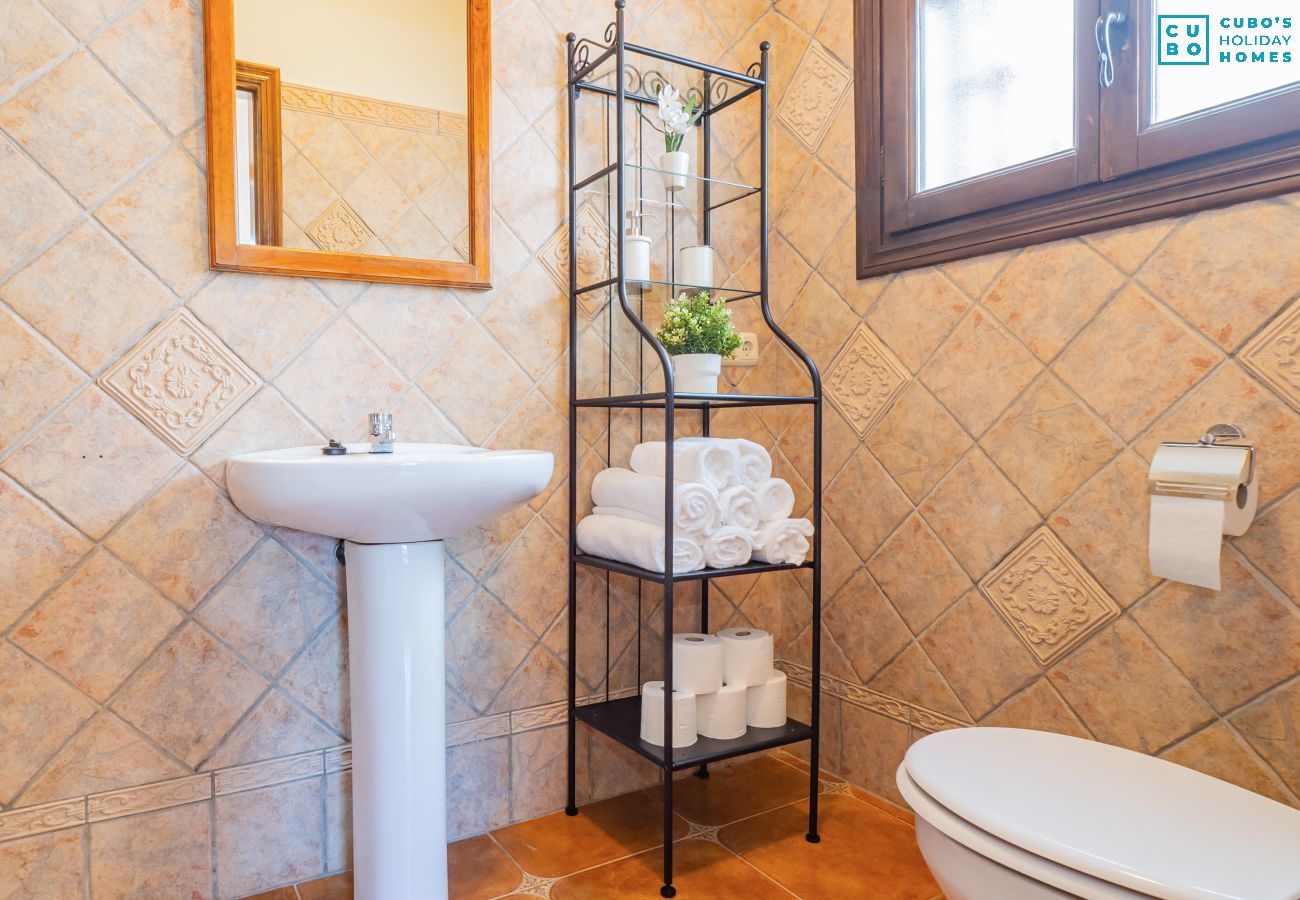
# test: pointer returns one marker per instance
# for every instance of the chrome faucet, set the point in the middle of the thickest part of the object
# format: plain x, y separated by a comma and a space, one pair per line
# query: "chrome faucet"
381, 432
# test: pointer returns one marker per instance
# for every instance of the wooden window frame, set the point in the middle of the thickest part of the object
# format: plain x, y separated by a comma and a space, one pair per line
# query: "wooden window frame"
263, 82
1150, 174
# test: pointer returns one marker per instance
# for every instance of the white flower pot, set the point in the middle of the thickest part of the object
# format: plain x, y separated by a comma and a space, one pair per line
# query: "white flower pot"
696, 373
675, 166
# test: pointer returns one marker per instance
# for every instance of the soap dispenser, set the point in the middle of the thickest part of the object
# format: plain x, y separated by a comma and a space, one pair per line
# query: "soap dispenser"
636, 249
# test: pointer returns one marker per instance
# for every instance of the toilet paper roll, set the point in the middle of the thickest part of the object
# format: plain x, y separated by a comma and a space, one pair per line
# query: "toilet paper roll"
765, 703
1186, 536
652, 716
723, 713
746, 655
697, 663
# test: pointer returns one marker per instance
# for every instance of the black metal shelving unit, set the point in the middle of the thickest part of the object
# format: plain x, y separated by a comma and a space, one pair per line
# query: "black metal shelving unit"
600, 72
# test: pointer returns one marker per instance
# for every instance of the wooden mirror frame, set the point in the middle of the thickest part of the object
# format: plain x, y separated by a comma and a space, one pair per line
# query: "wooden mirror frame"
228, 255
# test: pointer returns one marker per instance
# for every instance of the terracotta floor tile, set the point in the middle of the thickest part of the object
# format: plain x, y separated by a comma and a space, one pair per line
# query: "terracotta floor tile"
284, 893
335, 887
886, 806
791, 760
478, 868
558, 845
701, 869
863, 852
740, 791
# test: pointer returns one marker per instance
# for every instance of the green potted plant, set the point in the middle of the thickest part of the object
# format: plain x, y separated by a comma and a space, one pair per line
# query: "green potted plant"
697, 333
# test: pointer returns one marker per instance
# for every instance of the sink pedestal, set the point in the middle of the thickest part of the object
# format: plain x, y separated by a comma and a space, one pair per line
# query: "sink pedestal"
396, 661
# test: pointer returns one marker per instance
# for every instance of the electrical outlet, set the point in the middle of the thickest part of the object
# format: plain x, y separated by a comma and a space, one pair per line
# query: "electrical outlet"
747, 353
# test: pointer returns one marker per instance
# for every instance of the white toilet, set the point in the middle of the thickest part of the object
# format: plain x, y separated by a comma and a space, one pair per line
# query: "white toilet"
1010, 814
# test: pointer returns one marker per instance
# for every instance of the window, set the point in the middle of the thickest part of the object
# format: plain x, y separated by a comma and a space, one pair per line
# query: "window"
988, 124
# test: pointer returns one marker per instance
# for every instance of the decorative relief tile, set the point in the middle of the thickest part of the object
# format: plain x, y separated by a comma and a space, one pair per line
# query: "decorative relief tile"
820, 84
148, 797
477, 729
295, 96
369, 109
340, 230
1275, 355
1047, 597
413, 117
264, 774
539, 717
864, 381
593, 263
891, 707
39, 819
181, 381
450, 123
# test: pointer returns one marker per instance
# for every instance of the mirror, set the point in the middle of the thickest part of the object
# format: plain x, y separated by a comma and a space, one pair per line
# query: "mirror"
349, 138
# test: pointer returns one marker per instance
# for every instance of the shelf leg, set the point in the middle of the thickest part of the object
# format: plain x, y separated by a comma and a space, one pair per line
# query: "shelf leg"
702, 771
668, 890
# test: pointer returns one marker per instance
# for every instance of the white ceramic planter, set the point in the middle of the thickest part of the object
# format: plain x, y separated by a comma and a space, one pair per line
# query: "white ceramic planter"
696, 373
675, 166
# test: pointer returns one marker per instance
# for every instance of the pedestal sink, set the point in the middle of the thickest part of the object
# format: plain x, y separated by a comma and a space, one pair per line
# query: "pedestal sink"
393, 510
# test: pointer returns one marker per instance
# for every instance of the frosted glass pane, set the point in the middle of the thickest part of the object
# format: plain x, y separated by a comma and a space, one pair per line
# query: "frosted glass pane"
1180, 90
996, 85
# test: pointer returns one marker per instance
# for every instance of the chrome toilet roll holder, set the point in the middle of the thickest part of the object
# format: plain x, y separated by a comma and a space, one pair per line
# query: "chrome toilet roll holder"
1203, 485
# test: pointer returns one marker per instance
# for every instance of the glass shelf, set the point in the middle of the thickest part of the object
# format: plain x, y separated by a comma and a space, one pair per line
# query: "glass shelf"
650, 183
670, 289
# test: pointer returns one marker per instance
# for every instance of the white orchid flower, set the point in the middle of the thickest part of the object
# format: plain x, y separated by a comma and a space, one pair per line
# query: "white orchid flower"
675, 116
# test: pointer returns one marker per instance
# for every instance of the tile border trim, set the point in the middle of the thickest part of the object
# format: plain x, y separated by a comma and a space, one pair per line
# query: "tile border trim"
873, 701
105, 805
369, 109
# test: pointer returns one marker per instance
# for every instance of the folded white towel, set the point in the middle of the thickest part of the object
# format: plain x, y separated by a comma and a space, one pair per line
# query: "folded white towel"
784, 542
638, 544
715, 463
775, 499
641, 497
729, 546
739, 507
755, 461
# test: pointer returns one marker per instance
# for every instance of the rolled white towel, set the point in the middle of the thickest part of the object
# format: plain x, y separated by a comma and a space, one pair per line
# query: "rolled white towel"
641, 497
739, 507
775, 499
755, 461
638, 544
729, 546
784, 542
716, 464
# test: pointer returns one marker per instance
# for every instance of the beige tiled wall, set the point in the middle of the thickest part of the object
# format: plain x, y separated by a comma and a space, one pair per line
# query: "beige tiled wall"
153, 641
986, 455
368, 176
965, 583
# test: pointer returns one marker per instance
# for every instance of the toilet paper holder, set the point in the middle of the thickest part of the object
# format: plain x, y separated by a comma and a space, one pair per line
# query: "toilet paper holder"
1210, 485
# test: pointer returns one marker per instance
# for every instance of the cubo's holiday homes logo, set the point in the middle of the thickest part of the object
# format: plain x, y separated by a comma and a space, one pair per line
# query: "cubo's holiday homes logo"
1202, 40
1184, 40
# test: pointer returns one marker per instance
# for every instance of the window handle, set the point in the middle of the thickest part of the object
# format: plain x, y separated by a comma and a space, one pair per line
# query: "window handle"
1104, 52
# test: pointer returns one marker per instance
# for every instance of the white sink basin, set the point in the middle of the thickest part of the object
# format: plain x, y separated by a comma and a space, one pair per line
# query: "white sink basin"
420, 492
393, 509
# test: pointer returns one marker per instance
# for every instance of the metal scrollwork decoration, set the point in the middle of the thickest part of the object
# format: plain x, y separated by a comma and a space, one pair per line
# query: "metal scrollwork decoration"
582, 49
718, 90
647, 85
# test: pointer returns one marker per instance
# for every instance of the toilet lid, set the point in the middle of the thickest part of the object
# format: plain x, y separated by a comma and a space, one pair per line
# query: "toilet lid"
1120, 816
